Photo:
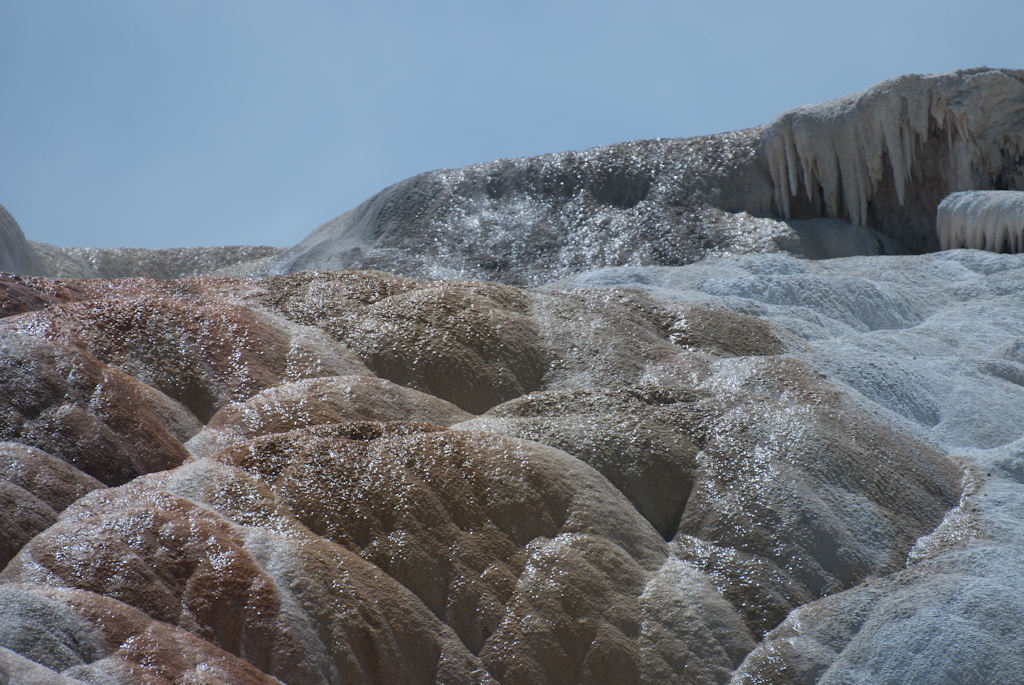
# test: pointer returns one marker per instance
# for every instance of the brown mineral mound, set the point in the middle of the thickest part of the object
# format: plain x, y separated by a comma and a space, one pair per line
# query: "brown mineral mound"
76, 637
102, 421
34, 488
695, 484
749, 474
183, 565
480, 344
316, 401
635, 437
472, 344
535, 560
18, 298
202, 351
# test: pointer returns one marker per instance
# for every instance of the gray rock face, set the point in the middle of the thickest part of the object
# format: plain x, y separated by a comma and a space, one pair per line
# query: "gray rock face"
873, 164
532, 220
16, 254
126, 262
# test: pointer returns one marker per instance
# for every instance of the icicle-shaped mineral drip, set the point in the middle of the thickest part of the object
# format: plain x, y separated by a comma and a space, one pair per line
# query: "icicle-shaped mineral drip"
982, 220
775, 144
841, 146
894, 133
821, 162
792, 163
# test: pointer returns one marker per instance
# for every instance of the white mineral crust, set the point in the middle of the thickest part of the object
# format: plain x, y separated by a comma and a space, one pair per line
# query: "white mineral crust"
838, 152
982, 220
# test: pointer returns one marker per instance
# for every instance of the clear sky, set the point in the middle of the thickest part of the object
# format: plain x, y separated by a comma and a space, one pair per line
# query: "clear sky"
217, 122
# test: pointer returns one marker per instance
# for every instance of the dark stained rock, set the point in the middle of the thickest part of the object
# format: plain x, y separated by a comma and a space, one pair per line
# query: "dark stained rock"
22, 516
477, 345
201, 351
533, 559
34, 488
635, 437
52, 480
20, 294
613, 337
93, 639
315, 401
472, 344
92, 416
175, 562
293, 605
16, 255
358, 623
17, 298
749, 473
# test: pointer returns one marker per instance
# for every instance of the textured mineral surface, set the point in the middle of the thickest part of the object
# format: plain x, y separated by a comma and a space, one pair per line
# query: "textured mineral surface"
695, 458
683, 474
859, 175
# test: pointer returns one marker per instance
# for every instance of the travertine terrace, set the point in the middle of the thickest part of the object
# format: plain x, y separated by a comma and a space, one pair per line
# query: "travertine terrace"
712, 410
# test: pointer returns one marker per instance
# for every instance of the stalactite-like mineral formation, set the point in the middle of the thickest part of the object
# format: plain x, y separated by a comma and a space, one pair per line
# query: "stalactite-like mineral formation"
753, 469
990, 220
886, 156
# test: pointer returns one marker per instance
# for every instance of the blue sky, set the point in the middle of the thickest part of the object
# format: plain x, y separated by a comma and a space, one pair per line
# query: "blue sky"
214, 122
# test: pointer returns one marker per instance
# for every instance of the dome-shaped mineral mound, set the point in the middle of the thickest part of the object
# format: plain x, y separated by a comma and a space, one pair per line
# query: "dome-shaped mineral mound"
654, 487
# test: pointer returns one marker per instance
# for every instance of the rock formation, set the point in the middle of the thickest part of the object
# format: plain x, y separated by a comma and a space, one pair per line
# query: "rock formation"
936, 345
123, 262
702, 459
983, 220
749, 469
16, 254
877, 162
887, 156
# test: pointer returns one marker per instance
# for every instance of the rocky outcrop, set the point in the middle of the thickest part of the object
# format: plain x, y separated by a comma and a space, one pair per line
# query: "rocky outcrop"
685, 481
471, 344
887, 156
318, 401
72, 406
536, 219
201, 351
181, 566
860, 175
536, 562
67, 637
34, 488
176, 262
685, 461
16, 254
